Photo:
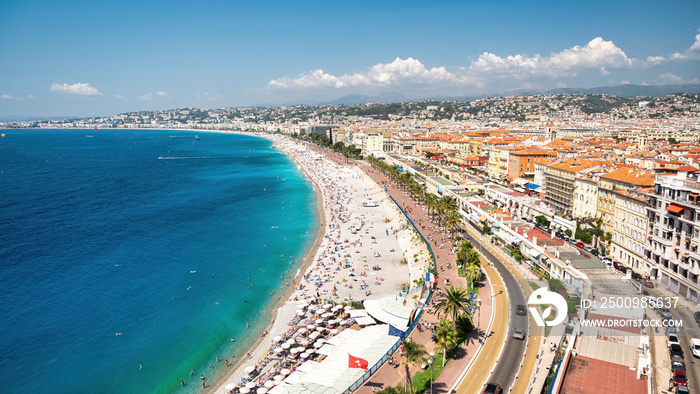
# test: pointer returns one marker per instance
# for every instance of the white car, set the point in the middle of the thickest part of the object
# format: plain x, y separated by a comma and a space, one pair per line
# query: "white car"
695, 346
671, 339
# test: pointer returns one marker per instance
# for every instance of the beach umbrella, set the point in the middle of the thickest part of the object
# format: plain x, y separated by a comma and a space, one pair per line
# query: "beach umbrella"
314, 334
269, 384
327, 305
249, 369
294, 351
310, 327
285, 372
300, 312
278, 378
305, 355
320, 329
286, 345
326, 315
318, 321
262, 390
334, 331
347, 307
244, 390
320, 311
302, 331
318, 344
230, 386
277, 350
276, 339
305, 342
250, 385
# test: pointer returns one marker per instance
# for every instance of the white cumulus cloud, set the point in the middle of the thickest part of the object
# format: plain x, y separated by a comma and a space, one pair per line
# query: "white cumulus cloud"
383, 74
147, 96
598, 53
162, 94
83, 89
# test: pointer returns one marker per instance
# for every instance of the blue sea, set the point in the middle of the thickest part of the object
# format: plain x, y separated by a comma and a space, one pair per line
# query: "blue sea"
130, 258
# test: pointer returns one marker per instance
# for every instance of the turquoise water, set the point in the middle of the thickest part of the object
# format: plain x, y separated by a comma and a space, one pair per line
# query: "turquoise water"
127, 247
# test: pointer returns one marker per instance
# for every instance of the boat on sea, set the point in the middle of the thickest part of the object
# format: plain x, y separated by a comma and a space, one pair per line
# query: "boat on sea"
370, 203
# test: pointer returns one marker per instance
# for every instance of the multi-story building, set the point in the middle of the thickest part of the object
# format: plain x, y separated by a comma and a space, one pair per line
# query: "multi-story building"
521, 163
585, 196
373, 142
623, 179
560, 178
674, 233
629, 230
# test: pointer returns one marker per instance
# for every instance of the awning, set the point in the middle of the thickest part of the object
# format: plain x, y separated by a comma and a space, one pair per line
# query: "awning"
483, 218
531, 186
694, 195
673, 208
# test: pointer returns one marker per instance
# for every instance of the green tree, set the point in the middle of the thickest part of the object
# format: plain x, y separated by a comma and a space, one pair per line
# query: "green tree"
568, 232
473, 258
446, 337
455, 302
414, 355
472, 273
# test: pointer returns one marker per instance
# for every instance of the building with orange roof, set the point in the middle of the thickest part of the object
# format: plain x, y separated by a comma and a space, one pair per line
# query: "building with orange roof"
521, 162
624, 179
560, 178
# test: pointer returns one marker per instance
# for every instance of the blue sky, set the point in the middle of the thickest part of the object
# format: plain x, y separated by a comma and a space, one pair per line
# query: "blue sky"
90, 58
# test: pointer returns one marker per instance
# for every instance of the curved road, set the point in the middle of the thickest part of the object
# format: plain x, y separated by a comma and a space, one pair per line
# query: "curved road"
509, 363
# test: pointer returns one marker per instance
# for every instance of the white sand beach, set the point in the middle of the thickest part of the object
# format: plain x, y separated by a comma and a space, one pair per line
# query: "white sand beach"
365, 252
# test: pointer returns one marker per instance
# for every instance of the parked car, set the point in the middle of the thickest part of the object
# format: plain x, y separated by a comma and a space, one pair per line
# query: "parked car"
677, 365
587, 248
679, 378
682, 390
493, 388
595, 252
580, 244
676, 352
648, 283
671, 339
521, 310
695, 346
519, 333
671, 330
618, 266
665, 313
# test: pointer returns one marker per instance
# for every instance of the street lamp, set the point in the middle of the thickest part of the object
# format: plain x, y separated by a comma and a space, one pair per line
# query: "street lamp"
430, 361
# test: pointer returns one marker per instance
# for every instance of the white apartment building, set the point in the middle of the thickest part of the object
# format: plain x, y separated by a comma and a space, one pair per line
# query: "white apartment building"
585, 196
674, 233
630, 231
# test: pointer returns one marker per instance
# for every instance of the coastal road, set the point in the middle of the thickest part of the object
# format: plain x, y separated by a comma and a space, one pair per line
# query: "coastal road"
509, 364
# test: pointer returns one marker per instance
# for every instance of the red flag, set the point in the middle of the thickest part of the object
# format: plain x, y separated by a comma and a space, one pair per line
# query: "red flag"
356, 362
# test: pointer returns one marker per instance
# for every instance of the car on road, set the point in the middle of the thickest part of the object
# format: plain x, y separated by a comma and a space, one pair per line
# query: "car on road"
676, 352
665, 313
521, 310
671, 330
587, 248
595, 252
519, 333
695, 346
697, 318
677, 365
618, 266
671, 339
679, 378
648, 283
493, 388
580, 244
682, 390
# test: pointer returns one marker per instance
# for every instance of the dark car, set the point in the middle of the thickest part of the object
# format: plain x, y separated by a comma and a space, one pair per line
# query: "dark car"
493, 388
676, 352
595, 252
679, 378
521, 310
697, 317
677, 365
665, 313
618, 266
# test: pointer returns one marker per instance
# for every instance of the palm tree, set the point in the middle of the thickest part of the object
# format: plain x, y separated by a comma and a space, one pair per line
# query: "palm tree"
449, 203
473, 257
452, 221
472, 273
454, 301
414, 355
431, 202
446, 337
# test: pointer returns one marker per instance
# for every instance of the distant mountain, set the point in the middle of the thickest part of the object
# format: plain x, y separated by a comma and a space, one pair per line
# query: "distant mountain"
629, 90
385, 98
